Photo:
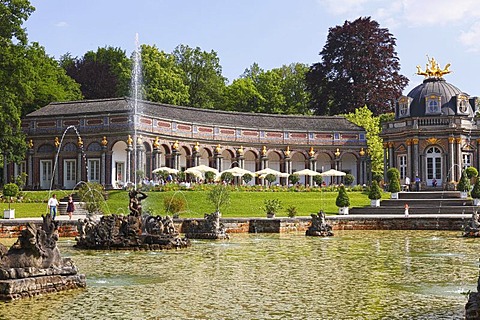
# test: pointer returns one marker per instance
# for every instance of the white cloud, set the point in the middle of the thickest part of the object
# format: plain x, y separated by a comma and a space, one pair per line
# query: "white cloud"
471, 38
61, 24
342, 7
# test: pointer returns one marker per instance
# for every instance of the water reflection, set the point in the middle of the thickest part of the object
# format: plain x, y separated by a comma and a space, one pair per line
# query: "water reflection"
354, 275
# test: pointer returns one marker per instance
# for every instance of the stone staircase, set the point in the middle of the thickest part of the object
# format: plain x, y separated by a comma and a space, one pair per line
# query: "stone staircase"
423, 202
79, 206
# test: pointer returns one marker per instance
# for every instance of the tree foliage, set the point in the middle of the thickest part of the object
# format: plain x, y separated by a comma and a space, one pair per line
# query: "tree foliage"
364, 118
202, 74
219, 196
101, 74
163, 78
375, 192
342, 199
359, 66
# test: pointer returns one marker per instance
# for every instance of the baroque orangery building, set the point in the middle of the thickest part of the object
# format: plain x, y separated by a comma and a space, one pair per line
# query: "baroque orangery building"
435, 134
107, 141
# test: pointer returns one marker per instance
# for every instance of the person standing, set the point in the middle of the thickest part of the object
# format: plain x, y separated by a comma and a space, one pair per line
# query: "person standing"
53, 205
407, 183
417, 183
70, 207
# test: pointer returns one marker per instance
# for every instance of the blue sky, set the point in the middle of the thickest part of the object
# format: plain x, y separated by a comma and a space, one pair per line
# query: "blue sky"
269, 32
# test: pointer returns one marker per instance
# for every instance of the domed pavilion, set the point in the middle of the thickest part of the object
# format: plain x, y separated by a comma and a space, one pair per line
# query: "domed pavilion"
434, 135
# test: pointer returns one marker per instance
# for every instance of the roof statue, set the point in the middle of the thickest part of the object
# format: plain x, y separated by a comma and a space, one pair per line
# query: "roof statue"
156, 143
432, 69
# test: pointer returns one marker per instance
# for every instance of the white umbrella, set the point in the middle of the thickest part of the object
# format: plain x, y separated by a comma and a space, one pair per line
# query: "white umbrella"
237, 172
167, 169
268, 171
307, 172
202, 168
332, 173
194, 172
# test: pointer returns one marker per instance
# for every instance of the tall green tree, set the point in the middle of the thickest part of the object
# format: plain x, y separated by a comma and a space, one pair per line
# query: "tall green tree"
101, 74
364, 118
241, 96
359, 66
162, 77
202, 75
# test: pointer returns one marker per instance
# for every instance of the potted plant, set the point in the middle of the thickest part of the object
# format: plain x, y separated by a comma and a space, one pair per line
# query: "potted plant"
375, 194
393, 176
271, 207
476, 193
10, 190
463, 186
342, 201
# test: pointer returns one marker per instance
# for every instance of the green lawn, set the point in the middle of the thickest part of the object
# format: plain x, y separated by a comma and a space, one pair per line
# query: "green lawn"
242, 204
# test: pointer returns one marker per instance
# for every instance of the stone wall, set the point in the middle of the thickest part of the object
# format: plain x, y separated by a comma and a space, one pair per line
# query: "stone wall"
12, 228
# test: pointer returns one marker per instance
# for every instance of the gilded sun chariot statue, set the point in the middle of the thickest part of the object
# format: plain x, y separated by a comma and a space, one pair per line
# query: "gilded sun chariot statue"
432, 69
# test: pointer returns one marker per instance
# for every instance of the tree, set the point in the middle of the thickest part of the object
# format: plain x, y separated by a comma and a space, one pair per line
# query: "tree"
364, 118
219, 196
101, 74
241, 96
202, 74
359, 66
342, 199
375, 192
464, 184
348, 179
163, 79
393, 176
293, 179
476, 190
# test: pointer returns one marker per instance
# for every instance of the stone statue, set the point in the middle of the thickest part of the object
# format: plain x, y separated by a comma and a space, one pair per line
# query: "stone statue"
473, 227
319, 227
33, 264
135, 204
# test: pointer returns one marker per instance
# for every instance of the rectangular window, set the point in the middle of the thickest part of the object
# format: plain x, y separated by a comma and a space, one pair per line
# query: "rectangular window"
174, 126
311, 135
467, 160
362, 137
286, 135
402, 161
93, 170
336, 136
262, 134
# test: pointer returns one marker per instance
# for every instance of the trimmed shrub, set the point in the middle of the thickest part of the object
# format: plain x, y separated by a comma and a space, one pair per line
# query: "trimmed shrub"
464, 183
247, 177
375, 192
471, 172
476, 190
270, 178
293, 178
318, 180
348, 179
377, 176
227, 177
209, 176
394, 180
342, 199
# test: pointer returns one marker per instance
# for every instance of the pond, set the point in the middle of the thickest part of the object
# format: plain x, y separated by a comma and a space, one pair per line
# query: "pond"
354, 275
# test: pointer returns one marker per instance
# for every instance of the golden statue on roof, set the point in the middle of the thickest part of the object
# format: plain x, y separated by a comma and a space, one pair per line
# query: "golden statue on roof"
432, 69
156, 143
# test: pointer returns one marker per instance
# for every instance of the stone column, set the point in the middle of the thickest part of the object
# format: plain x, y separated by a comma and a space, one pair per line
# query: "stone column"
409, 160
30, 153
385, 158
477, 160
312, 162
80, 165
103, 165
218, 162
416, 158
451, 160
175, 159
156, 158
128, 165
391, 155
459, 158
195, 158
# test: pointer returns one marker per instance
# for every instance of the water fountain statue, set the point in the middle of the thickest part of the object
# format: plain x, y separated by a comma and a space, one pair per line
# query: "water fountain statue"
208, 228
319, 227
472, 229
33, 265
131, 232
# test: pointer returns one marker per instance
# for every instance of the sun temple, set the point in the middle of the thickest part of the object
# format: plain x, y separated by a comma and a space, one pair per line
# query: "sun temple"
435, 134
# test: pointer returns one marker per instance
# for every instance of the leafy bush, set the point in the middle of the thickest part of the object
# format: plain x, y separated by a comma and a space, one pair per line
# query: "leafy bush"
292, 211
471, 172
464, 183
247, 177
270, 178
393, 176
342, 199
10, 190
227, 177
348, 179
476, 189
219, 196
293, 178
375, 192
377, 176
318, 180
174, 205
272, 206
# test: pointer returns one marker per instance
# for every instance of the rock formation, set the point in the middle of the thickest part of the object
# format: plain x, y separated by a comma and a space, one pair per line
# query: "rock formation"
33, 264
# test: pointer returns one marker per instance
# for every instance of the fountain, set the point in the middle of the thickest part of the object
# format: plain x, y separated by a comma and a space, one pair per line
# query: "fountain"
136, 93
33, 265
132, 232
319, 227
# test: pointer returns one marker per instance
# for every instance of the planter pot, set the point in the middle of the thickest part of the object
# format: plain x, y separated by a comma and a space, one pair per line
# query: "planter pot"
343, 210
375, 202
270, 215
394, 195
476, 202
463, 194
9, 214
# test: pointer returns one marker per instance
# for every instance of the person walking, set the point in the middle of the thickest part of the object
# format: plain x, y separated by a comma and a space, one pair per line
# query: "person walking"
70, 207
53, 205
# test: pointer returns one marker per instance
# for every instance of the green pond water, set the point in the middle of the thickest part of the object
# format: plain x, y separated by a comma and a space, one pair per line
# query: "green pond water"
354, 275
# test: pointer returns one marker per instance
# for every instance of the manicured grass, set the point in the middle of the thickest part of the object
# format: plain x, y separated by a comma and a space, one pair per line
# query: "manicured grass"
242, 204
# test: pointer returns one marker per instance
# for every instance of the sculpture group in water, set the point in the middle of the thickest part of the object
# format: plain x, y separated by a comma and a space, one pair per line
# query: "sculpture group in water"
131, 232
472, 229
33, 264
319, 227
208, 228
